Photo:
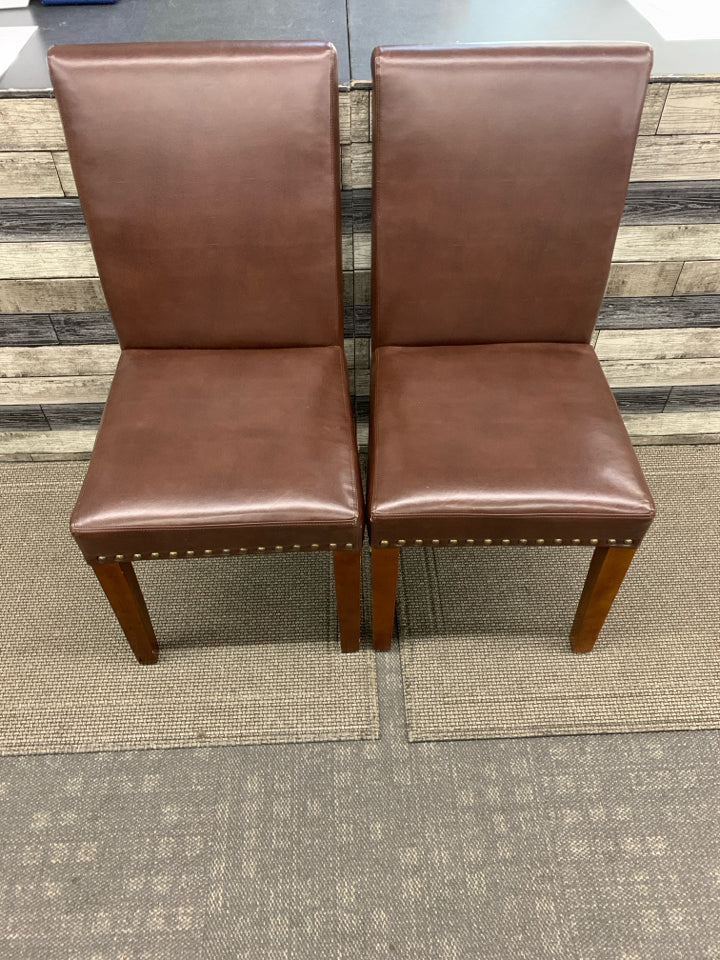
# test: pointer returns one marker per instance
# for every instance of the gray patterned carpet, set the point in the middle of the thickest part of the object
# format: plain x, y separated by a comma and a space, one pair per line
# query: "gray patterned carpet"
249, 651
558, 848
484, 633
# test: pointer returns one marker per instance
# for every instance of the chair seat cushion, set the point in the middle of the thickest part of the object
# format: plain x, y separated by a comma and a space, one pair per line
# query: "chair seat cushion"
517, 442
212, 451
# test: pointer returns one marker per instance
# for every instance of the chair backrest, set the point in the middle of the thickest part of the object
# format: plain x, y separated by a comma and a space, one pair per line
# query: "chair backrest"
209, 177
500, 174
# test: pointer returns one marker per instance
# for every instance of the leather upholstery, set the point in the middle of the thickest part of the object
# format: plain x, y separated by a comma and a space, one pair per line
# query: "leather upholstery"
223, 449
208, 175
500, 175
499, 180
513, 441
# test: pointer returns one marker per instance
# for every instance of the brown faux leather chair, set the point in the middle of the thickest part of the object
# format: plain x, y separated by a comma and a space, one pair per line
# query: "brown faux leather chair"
208, 175
500, 174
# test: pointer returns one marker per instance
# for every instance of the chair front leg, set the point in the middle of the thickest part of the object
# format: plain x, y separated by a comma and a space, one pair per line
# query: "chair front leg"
347, 564
385, 564
120, 584
607, 572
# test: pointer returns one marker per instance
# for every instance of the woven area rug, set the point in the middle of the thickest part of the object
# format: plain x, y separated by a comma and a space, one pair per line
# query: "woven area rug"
248, 647
484, 633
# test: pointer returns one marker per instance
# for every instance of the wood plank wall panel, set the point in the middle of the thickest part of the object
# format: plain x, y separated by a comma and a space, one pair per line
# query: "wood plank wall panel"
658, 333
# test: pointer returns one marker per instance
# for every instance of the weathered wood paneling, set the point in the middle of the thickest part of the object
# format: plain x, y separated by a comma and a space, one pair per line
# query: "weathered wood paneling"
658, 344
694, 202
361, 252
700, 276
642, 279
46, 260
23, 416
54, 389
639, 313
344, 112
664, 242
657, 373
691, 108
73, 416
677, 158
94, 327
30, 124
690, 427
694, 398
47, 296
356, 166
51, 445
26, 329
26, 219
78, 361
653, 107
28, 175
65, 174
641, 399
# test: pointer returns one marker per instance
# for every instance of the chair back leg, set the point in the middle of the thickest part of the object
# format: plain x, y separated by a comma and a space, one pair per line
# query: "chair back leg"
385, 564
607, 572
347, 565
120, 584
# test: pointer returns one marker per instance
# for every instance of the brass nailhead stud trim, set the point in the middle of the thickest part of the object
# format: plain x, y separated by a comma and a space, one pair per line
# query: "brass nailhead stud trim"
540, 541
435, 542
226, 549
383, 543
487, 540
349, 546
333, 546
119, 556
471, 542
189, 553
314, 546
558, 539
279, 548
261, 549
418, 543
575, 540
102, 558
243, 549
611, 540
401, 543
296, 546
506, 541
154, 554
207, 551
137, 556
628, 542
593, 541
173, 553
523, 541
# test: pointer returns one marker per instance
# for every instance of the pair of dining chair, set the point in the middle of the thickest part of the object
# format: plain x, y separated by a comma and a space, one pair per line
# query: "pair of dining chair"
209, 178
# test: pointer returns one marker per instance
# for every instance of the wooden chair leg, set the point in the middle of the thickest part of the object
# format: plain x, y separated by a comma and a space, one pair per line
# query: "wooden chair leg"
348, 597
120, 584
385, 563
607, 572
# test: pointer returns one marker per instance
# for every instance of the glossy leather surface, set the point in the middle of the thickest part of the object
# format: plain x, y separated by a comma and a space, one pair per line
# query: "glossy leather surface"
500, 174
500, 441
223, 449
209, 177
208, 173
